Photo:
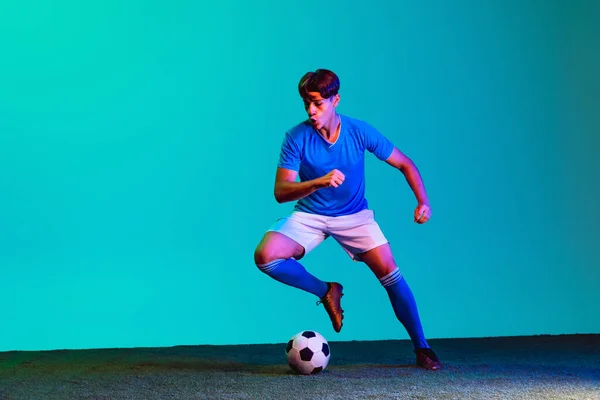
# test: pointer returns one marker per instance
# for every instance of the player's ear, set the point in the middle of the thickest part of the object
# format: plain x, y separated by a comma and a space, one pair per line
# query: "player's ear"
336, 100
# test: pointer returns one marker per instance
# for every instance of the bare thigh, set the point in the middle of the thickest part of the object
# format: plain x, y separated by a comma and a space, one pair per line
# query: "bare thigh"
275, 246
380, 260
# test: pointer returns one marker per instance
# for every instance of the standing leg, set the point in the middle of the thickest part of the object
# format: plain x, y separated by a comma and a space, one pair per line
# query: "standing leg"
381, 261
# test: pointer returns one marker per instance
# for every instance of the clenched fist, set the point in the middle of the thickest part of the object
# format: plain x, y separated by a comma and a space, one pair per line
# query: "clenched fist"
334, 178
422, 213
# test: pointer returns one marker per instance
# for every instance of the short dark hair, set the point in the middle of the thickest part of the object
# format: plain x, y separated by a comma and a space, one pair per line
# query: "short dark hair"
324, 81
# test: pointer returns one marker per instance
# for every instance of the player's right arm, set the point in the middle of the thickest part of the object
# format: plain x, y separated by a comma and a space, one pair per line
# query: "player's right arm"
287, 189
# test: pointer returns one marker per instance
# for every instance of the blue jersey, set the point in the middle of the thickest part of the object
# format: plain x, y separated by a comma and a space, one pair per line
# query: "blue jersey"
304, 150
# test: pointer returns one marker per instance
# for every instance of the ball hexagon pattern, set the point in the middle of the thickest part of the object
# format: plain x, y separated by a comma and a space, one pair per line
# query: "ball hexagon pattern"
307, 353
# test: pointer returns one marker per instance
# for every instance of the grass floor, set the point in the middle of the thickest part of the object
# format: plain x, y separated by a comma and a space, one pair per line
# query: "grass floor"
536, 367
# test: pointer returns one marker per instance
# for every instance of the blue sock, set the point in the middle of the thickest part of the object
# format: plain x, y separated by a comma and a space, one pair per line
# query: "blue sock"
292, 273
404, 306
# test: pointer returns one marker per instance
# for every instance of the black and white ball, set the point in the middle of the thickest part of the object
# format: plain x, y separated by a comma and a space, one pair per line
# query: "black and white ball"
307, 353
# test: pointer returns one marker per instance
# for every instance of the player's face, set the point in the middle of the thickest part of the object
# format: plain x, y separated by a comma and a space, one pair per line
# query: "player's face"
320, 111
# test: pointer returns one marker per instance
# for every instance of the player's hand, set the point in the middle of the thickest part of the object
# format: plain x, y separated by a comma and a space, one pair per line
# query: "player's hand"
335, 178
422, 213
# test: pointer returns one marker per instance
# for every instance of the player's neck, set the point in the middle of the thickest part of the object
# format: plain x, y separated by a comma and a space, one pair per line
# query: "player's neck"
332, 130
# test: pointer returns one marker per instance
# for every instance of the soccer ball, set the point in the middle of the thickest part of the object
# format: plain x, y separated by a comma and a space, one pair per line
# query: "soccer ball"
307, 353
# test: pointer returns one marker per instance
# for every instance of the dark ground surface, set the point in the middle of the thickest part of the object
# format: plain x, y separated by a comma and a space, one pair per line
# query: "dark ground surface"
535, 367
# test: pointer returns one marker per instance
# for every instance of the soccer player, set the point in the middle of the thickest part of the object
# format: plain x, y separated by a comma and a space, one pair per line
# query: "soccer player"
327, 152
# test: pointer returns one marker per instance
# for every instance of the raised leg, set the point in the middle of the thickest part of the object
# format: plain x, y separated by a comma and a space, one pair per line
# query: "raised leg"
277, 256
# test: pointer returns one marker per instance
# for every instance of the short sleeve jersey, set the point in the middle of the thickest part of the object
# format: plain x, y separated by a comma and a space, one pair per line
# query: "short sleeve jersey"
306, 151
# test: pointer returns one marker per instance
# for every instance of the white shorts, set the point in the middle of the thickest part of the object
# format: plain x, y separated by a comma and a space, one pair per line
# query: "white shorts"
356, 233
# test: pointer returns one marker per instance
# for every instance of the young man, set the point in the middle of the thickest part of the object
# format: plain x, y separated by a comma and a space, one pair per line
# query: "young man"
327, 152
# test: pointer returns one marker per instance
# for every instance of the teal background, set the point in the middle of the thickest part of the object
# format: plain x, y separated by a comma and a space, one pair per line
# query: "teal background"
138, 146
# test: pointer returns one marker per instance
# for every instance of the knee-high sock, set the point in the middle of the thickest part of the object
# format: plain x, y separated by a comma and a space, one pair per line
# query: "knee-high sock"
405, 307
292, 273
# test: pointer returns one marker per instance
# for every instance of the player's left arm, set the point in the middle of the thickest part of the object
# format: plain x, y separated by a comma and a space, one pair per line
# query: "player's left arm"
413, 177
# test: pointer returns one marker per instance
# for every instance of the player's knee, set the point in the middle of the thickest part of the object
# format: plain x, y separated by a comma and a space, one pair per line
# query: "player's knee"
266, 261
261, 256
390, 277
264, 254
390, 268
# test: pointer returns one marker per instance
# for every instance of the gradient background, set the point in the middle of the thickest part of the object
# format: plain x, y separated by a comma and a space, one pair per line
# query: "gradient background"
138, 146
